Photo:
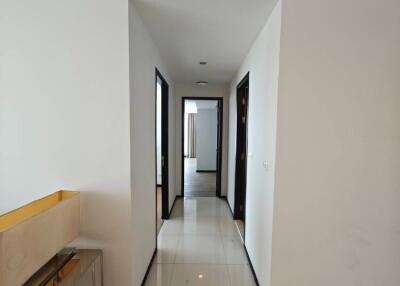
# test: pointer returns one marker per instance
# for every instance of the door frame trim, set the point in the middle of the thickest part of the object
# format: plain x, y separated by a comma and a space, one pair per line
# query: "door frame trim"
220, 150
236, 211
165, 191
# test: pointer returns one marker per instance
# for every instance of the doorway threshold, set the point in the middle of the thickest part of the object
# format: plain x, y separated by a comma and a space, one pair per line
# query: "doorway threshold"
240, 227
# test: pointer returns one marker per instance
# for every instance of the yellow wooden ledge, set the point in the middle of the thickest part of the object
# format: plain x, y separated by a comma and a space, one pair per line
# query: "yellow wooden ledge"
31, 235
25, 212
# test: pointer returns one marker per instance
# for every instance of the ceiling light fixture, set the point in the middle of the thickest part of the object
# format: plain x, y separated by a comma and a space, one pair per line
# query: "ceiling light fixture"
202, 83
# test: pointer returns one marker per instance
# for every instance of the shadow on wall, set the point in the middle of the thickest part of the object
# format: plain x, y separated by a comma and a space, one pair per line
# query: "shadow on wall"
105, 225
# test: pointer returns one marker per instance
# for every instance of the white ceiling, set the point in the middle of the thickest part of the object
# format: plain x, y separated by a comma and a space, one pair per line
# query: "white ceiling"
220, 32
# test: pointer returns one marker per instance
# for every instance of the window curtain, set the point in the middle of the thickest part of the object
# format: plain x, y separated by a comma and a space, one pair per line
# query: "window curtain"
191, 135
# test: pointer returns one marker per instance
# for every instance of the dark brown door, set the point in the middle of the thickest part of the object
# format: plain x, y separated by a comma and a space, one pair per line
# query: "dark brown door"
164, 150
219, 148
241, 149
164, 145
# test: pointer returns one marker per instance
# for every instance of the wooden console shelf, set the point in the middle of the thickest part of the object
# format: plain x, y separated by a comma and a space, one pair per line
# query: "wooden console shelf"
31, 235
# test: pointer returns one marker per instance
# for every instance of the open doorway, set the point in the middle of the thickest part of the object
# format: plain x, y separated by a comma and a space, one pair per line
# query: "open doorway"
162, 210
201, 146
241, 154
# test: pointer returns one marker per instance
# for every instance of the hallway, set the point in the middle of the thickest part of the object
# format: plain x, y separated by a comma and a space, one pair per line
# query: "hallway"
200, 245
282, 114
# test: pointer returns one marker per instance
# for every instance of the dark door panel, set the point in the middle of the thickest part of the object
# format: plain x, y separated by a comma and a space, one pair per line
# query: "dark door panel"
241, 149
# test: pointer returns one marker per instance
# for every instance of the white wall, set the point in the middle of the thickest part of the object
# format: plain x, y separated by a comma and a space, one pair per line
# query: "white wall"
337, 215
263, 64
144, 58
64, 115
206, 139
192, 90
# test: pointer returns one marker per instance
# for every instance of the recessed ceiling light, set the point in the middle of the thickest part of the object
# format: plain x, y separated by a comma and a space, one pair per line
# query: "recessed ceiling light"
203, 63
202, 83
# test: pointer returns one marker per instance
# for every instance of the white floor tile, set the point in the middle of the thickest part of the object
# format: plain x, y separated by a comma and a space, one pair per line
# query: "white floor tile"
160, 275
205, 207
200, 249
200, 275
201, 226
228, 227
172, 227
234, 251
200, 245
240, 275
167, 248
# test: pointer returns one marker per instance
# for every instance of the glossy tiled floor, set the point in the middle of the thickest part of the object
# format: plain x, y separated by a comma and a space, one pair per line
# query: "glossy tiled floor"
200, 245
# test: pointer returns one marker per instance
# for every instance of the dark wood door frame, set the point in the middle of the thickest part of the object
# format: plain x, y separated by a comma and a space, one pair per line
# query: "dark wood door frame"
164, 145
242, 102
219, 141
220, 122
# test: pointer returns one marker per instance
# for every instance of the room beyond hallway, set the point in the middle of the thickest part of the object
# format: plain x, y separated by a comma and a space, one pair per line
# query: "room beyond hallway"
201, 148
198, 184
200, 245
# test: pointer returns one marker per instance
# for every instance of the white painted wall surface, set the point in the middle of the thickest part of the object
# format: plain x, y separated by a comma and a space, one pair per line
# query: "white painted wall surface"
64, 116
206, 139
144, 58
337, 215
263, 64
182, 90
